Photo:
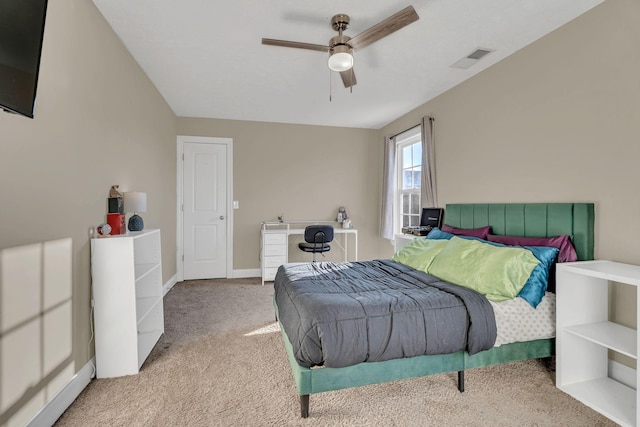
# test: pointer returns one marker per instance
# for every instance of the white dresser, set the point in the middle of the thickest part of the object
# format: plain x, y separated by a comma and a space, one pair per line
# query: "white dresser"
275, 244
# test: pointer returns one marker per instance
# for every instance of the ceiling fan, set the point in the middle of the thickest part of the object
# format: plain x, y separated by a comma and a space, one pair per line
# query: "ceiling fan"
341, 47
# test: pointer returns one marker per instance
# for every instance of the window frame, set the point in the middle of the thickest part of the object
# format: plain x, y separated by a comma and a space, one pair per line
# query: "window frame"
407, 138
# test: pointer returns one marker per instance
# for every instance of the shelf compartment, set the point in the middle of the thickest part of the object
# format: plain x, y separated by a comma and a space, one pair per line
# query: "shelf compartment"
616, 272
150, 284
144, 306
611, 398
146, 247
146, 342
150, 328
608, 334
142, 270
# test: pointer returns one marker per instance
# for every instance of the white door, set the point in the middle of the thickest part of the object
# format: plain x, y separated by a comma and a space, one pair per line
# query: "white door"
205, 211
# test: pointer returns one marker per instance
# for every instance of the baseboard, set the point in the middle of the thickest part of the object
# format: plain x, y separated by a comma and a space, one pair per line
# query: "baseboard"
236, 274
249, 272
622, 373
50, 413
170, 283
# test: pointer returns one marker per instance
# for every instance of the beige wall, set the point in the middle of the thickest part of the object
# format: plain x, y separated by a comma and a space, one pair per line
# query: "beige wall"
98, 121
303, 172
557, 121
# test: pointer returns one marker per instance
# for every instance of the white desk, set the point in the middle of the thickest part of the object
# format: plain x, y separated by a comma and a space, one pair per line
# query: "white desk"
274, 247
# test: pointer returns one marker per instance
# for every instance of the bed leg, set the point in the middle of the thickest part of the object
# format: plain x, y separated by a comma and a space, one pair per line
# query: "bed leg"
304, 406
461, 381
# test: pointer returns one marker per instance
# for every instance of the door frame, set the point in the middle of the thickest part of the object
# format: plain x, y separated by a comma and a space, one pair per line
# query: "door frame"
181, 140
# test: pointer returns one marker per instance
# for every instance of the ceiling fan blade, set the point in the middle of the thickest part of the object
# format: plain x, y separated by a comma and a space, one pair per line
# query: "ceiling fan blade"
348, 78
382, 29
298, 45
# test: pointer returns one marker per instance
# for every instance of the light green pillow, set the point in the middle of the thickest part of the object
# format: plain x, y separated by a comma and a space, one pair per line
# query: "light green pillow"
419, 253
499, 273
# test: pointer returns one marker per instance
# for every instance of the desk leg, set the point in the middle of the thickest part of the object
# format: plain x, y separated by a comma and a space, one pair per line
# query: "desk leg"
346, 247
355, 252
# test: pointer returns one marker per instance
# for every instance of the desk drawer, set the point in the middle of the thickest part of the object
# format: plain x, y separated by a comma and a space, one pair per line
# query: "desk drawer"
274, 250
275, 238
274, 261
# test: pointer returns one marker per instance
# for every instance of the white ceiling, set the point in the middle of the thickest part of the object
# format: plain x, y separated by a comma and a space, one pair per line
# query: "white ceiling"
206, 57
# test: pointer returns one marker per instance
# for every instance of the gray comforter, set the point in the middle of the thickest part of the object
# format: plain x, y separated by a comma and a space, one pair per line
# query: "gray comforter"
341, 314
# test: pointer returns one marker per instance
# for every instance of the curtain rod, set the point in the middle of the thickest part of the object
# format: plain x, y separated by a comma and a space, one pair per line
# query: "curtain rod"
403, 131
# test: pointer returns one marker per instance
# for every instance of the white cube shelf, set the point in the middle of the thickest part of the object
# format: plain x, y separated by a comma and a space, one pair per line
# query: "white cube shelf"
127, 293
584, 336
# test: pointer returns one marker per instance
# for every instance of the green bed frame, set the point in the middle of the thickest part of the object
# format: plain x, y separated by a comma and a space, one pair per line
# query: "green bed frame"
524, 219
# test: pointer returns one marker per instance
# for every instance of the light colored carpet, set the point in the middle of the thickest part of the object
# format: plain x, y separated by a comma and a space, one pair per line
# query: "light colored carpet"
221, 362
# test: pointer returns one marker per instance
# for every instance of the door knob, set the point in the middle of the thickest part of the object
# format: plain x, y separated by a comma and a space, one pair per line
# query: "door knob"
221, 216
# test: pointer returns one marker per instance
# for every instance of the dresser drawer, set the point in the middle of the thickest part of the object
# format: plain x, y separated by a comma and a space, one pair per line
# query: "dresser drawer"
275, 238
270, 273
274, 250
274, 261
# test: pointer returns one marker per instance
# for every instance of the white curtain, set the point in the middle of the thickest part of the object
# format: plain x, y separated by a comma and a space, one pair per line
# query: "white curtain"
428, 196
388, 188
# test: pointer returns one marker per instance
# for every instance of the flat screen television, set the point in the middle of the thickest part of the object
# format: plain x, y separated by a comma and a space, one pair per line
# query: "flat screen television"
21, 33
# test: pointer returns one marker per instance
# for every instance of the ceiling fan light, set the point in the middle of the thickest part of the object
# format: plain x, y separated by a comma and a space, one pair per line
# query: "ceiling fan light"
340, 61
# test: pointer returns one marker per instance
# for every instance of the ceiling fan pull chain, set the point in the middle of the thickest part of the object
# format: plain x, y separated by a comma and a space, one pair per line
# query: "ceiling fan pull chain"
329, 85
353, 78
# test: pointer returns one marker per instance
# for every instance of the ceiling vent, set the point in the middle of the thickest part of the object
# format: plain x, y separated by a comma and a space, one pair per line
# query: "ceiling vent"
472, 58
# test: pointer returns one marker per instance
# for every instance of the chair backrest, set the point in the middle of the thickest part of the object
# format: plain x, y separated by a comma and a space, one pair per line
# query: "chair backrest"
318, 234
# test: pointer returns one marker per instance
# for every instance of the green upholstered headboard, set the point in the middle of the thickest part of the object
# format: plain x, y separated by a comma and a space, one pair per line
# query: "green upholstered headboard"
530, 220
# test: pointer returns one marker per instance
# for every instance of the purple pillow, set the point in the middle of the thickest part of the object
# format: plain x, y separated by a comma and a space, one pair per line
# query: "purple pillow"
563, 243
480, 233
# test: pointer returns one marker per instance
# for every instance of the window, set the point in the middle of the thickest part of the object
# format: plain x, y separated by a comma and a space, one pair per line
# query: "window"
409, 178
403, 173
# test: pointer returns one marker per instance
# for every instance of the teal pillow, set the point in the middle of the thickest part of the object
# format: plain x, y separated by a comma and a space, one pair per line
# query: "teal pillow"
437, 234
499, 273
536, 286
419, 253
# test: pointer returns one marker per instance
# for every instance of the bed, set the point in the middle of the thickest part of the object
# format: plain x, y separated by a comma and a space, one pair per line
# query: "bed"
536, 220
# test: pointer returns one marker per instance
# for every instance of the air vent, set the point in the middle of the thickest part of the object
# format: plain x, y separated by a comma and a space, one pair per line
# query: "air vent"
472, 58
478, 53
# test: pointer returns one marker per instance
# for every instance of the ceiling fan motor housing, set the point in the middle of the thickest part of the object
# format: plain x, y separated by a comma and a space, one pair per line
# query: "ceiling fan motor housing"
340, 22
339, 41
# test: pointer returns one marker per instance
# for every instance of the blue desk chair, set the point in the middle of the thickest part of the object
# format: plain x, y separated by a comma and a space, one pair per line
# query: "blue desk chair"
316, 238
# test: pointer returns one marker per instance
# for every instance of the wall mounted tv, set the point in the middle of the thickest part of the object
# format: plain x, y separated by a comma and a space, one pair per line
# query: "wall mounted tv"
21, 32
